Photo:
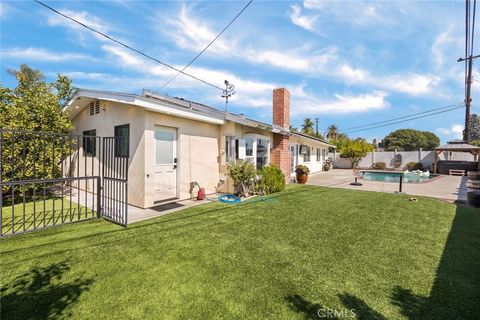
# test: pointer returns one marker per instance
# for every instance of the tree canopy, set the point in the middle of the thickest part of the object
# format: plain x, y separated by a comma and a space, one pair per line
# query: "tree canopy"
35, 105
307, 127
353, 149
410, 140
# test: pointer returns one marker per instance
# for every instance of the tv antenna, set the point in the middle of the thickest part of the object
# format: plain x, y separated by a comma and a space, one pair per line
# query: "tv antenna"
227, 93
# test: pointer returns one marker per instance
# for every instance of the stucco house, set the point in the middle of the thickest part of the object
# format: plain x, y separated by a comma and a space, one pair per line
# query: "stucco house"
172, 142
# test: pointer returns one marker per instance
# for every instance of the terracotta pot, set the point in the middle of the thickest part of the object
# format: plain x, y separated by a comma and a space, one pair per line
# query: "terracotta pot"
302, 178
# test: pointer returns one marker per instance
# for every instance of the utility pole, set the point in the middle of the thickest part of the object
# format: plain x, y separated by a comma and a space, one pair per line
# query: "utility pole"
468, 99
316, 126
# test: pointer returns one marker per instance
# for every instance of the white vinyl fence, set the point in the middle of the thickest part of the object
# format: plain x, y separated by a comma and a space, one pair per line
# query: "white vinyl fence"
425, 157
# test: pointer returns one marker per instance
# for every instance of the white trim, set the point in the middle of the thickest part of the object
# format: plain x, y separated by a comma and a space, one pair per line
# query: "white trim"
166, 108
255, 137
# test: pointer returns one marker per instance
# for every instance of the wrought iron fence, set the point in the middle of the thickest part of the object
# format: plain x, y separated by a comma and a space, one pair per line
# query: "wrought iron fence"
47, 179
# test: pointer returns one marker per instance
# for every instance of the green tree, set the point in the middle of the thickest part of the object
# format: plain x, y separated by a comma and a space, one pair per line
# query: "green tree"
332, 132
410, 140
474, 127
354, 150
293, 129
33, 105
307, 127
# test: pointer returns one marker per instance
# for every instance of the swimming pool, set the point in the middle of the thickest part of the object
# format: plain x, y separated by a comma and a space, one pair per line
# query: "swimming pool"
394, 176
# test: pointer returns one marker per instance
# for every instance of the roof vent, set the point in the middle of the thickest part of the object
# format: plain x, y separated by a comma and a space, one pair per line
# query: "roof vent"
94, 107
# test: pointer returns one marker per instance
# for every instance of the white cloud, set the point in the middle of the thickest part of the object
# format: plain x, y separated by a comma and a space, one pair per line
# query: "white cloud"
412, 84
82, 16
42, 54
300, 20
455, 131
360, 13
314, 4
342, 104
188, 32
249, 92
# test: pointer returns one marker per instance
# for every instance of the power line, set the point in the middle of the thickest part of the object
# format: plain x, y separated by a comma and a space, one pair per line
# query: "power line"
419, 117
127, 46
403, 117
205, 49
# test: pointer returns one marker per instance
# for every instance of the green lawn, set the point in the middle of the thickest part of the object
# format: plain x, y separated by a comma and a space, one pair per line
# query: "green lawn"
283, 258
39, 214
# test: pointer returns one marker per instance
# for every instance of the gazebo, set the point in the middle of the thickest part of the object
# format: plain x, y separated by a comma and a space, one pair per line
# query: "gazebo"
457, 146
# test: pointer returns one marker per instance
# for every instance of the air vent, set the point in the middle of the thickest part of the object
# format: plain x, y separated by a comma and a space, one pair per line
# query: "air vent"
94, 107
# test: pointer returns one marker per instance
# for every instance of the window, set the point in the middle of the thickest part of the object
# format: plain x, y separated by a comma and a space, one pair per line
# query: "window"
249, 146
89, 144
319, 155
257, 150
230, 149
262, 153
306, 155
122, 136
164, 144
94, 107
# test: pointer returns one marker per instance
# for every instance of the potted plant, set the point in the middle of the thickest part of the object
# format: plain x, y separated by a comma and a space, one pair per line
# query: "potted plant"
302, 173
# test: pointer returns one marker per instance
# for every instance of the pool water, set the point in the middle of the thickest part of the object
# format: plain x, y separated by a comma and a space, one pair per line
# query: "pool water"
394, 177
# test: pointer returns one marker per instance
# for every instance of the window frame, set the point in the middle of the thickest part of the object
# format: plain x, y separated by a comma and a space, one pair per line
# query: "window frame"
121, 151
89, 140
255, 137
307, 156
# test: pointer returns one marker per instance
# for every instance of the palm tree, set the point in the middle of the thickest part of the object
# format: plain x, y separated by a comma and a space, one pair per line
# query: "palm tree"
332, 132
307, 127
293, 129
26, 74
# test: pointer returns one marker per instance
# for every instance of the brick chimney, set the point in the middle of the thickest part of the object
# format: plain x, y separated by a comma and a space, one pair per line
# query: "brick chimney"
280, 153
281, 107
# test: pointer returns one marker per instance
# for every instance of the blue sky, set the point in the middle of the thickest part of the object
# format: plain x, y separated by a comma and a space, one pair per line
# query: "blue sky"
347, 63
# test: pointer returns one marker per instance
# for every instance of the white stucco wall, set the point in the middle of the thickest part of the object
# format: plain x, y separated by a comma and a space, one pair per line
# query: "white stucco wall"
314, 165
114, 114
197, 154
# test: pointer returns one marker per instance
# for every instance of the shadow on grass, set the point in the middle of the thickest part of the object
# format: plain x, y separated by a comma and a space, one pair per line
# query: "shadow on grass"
308, 309
42, 293
455, 293
361, 310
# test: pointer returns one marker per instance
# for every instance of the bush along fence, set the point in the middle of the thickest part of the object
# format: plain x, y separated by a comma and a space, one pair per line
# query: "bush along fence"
394, 159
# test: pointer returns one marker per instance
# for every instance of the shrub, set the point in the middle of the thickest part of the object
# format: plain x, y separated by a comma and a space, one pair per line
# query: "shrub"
243, 176
414, 166
379, 165
271, 180
301, 169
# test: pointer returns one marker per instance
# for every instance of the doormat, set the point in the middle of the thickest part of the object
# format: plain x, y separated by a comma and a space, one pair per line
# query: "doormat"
167, 206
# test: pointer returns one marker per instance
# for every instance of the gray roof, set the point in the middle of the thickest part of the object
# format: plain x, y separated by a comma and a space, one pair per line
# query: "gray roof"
457, 145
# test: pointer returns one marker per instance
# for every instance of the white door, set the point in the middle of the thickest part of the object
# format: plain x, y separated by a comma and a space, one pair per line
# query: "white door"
165, 163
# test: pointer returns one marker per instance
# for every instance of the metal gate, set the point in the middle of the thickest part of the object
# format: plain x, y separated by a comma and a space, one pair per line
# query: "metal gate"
50, 179
115, 180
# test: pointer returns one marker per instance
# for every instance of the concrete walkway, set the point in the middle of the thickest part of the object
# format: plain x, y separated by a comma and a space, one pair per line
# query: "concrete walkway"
451, 188
136, 214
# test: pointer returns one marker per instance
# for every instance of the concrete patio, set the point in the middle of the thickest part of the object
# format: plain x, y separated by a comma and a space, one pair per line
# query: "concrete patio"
451, 188
136, 214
